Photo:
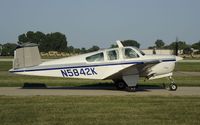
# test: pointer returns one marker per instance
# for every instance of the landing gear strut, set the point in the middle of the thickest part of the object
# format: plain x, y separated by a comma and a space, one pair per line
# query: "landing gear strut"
172, 85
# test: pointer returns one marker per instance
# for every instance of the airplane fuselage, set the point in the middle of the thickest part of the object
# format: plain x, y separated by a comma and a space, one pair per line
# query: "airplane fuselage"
124, 65
79, 67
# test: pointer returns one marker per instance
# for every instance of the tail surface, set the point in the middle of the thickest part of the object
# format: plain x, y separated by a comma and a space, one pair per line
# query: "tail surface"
26, 55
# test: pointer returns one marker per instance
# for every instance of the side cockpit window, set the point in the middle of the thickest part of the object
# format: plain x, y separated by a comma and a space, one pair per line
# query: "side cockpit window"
130, 53
96, 57
113, 55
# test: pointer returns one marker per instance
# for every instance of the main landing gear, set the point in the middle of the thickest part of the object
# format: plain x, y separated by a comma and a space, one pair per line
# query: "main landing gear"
131, 89
172, 85
121, 85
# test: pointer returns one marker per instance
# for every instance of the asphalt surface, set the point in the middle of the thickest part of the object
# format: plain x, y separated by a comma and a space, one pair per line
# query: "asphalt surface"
98, 91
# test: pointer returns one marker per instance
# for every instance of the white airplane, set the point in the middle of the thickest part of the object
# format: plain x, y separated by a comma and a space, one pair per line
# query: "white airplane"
123, 65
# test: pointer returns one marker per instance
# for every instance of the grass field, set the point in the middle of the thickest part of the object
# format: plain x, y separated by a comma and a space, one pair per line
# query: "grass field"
109, 110
6, 57
98, 110
189, 67
7, 79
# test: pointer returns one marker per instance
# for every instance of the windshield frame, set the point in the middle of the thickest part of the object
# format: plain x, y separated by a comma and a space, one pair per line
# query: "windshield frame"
140, 51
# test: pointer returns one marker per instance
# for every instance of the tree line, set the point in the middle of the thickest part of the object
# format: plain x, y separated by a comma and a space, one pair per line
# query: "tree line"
46, 42
182, 45
58, 42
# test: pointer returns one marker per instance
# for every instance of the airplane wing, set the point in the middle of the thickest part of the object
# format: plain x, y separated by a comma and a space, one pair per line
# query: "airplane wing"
142, 69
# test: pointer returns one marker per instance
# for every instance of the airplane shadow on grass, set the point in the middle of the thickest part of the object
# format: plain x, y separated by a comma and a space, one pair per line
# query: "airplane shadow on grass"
96, 86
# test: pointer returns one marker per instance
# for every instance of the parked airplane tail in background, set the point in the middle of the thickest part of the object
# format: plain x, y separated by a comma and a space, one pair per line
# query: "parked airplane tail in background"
26, 55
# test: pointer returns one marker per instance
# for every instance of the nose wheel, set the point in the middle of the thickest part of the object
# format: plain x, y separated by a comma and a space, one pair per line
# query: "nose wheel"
172, 85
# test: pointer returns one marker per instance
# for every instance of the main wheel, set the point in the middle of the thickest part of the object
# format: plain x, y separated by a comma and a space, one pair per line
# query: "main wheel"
120, 85
173, 87
131, 89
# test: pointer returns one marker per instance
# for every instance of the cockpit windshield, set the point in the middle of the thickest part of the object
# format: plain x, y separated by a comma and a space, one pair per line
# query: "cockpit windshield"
130, 53
140, 51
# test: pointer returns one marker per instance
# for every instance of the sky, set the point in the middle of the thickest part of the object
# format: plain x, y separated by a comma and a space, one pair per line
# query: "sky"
102, 22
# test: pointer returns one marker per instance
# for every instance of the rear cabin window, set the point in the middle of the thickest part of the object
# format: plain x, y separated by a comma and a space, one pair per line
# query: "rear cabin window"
130, 53
95, 58
113, 55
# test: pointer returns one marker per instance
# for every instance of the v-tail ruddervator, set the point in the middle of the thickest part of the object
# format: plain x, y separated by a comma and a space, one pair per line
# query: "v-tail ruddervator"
123, 65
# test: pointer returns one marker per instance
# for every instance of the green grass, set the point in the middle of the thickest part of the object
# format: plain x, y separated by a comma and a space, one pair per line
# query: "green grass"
106, 110
190, 58
98, 110
6, 57
7, 79
5, 66
181, 66
189, 67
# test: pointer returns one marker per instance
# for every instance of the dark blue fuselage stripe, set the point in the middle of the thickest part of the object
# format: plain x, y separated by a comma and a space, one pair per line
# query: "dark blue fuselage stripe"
97, 65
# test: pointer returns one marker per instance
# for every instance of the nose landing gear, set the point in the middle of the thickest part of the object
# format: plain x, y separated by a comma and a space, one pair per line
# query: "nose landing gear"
172, 85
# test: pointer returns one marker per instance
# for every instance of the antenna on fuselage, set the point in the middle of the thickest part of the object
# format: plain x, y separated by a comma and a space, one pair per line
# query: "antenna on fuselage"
119, 44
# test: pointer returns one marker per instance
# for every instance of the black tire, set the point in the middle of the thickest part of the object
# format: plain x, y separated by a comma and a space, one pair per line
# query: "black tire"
120, 85
173, 87
131, 89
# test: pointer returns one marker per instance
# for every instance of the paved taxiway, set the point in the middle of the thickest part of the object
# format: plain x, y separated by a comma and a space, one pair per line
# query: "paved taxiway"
92, 91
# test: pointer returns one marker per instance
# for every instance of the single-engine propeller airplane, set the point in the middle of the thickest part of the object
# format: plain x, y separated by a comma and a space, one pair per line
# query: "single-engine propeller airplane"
123, 65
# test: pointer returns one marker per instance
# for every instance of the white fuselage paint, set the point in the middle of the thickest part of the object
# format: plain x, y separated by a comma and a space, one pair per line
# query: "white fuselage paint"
78, 67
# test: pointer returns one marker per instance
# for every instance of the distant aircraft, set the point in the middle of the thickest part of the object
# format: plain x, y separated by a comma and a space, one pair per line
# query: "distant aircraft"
123, 65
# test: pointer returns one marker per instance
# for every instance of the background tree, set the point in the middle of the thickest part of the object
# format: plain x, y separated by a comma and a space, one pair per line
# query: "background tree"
37, 37
113, 46
181, 45
22, 39
83, 50
131, 43
70, 49
93, 48
151, 47
47, 42
159, 44
196, 45
0, 49
77, 50
8, 49
55, 42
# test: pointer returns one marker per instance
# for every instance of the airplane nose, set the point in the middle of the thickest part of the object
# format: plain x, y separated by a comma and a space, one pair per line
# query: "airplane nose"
178, 58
